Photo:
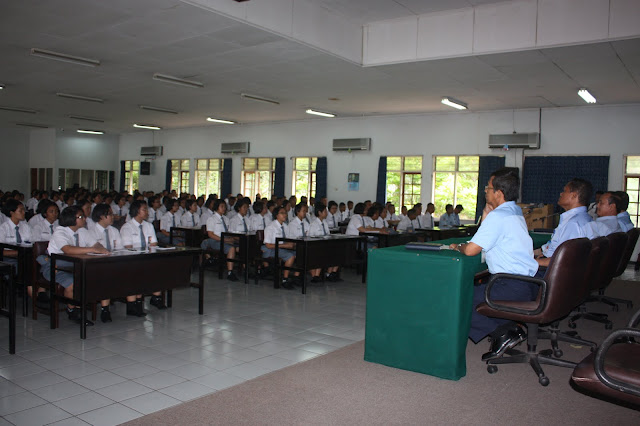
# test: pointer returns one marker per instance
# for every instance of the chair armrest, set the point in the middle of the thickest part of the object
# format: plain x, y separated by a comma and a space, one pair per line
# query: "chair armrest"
599, 359
504, 308
633, 322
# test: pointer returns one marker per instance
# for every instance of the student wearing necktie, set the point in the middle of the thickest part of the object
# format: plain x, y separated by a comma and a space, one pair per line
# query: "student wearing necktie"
43, 230
258, 219
299, 227
216, 225
190, 218
71, 237
139, 234
428, 216
418, 222
168, 221
14, 230
240, 222
320, 228
277, 229
333, 217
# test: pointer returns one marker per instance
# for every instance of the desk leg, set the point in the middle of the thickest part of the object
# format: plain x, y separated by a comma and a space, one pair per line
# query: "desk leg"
83, 304
201, 290
169, 298
276, 267
245, 254
23, 273
304, 268
53, 297
365, 257
12, 315
223, 258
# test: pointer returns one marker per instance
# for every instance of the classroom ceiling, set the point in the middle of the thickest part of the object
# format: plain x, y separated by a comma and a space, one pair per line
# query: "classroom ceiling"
134, 39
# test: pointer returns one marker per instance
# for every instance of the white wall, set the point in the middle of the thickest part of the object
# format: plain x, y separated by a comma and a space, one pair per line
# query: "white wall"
14, 145
593, 130
75, 151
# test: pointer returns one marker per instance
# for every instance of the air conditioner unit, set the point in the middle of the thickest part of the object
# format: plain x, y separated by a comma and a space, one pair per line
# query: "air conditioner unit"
359, 144
235, 148
515, 140
151, 151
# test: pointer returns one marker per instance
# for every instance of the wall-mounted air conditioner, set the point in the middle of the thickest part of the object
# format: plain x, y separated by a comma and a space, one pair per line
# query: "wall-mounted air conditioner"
358, 144
515, 140
151, 151
235, 148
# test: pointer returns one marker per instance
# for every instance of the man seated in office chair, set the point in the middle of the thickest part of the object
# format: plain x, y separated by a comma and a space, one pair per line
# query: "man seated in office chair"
505, 240
447, 220
574, 200
624, 220
609, 205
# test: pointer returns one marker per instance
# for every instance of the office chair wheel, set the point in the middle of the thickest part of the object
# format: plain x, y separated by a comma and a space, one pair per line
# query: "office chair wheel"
572, 324
544, 380
492, 369
608, 326
558, 353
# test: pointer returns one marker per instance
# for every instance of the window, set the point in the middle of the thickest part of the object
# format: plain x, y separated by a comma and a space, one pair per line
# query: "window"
258, 175
404, 180
180, 175
131, 175
304, 176
208, 176
632, 186
455, 181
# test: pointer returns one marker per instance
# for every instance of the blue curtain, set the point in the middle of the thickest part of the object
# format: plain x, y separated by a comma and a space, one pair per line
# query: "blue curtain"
543, 178
381, 191
167, 178
321, 178
278, 184
488, 165
227, 175
122, 176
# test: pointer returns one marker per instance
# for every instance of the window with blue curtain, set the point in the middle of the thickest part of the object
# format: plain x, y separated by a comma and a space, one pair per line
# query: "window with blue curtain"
487, 165
227, 175
278, 180
381, 190
123, 175
321, 178
544, 178
167, 177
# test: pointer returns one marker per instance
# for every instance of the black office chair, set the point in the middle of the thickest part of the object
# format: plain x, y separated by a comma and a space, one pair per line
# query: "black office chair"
562, 289
632, 239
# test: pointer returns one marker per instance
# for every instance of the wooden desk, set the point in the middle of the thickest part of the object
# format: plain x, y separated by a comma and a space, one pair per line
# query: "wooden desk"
10, 311
323, 252
248, 250
193, 236
25, 257
124, 273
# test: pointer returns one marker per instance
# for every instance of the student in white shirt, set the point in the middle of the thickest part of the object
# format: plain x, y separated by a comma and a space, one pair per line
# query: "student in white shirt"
206, 211
333, 217
290, 212
447, 220
154, 206
37, 216
406, 223
33, 201
85, 206
403, 212
168, 221
343, 214
190, 218
240, 222
71, 237
14, 230
258, 219
299, 227
428, 216
391, 210
319, 228
357, 224
200, 203
418, 222
43, 230
216, 225
381, 221
276, 229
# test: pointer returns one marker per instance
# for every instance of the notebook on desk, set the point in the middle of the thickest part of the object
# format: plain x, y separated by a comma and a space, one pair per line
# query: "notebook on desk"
417, 245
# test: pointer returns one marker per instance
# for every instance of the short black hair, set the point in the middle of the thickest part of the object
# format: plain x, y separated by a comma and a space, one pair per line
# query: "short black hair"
614, 198
359, 208
507, 180
99, 211
320, 207
276, 211
258, 206
10, 206
583, 188
135, 207
216, 205
299, 207
189, 203
624, 197
331, 204
68, 216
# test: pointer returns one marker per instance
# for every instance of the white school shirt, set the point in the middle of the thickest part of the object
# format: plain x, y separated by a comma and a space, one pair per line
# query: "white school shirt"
206, 214
31, 203
343, 215
291, 215
8, 232
405, 224
44, 230
428, 221
162, 210
167, 222
333, 219
90, 223
119, 211
296, 226
189, 220
61, 205
64, 236
259, 221
130, 233
318, 228
367, 222
418, 222
36, 219
380, 223
236, 224
218, 224
231, 214
3, 218
356, 221
273, 231
153, 215
393, 216
98, 233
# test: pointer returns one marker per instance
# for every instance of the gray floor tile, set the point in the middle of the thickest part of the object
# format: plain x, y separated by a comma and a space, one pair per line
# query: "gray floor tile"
18, 402
150, 402
41, 415
99, 380
60, 391
38, 380
186, 391
82, 403
110, 415
159, 380
125, 390
191, 371
219, 380
134, 371
78, 370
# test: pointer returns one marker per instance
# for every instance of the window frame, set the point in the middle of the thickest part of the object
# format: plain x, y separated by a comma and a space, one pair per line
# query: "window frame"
183, 175
312, 164
208, 171
626, 175
456, 172
404, 172
256, 172
130, 172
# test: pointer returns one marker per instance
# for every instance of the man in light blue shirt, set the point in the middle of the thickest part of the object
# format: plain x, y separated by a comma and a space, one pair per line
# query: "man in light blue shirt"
624, 220
505, 240
607, 222
456, 214
573, 199
447, 220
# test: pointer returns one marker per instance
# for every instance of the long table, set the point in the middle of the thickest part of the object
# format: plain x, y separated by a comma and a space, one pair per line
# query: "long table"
248, 250
10, 310
393, 239
322, 252
25, 257
124, 273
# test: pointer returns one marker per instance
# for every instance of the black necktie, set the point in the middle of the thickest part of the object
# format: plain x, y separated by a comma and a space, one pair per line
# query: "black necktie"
51, 227
193, 219
106, 238
283, 234
143, 244
302, 223
224, 225
77, 238
324, 230
245, 225
334, 220
173, 219
18, 237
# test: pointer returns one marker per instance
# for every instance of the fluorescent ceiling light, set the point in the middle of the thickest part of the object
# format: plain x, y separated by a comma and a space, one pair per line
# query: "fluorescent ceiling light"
16, 109
79, 97
179, 81
320, 113
158, 109
1, 86
81, 117
219, 120
454, 103
147, 126
259, 98
65, 58
588, 97
38, 126
91, 132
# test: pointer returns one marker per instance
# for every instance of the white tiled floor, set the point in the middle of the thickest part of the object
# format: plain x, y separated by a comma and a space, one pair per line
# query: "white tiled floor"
133, 367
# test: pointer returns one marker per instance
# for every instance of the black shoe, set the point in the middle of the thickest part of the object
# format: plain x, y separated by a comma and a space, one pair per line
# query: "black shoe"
287, 284
232, 277
157, 302
333, 277
501, 344
316, 280
139, 306
76, 316
42, 301
105, 316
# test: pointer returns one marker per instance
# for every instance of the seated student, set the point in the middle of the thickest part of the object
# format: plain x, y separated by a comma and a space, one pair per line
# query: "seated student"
190, 218
276, 229
373, 213
96, 199
403, 212
168, 221
69, 200
343, 214
85, 206
428, 216
349, 208
206, 210
624, 220
44, 229
418, 221
357, 225
182, 208
140, 235
381, 221
406, 223
391, 210
154, 207
258, 220
71, 237
333, 217
319, 228
231, 211
37, 214
33, 201
607, 222
505, 240
240, 222
14, 230
299, 227
290, 212
216, 225
200, 203
573, 199
456, 214
447, 220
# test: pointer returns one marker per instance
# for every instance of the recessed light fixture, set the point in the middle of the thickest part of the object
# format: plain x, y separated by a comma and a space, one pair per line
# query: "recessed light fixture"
454, 103
37, 126
320, 113
157, 109
147, 126
1, 86
91, 132
79, 97
81, 117
259, 98
17, 109
179, 81
65, 58
219, 120
588, 97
